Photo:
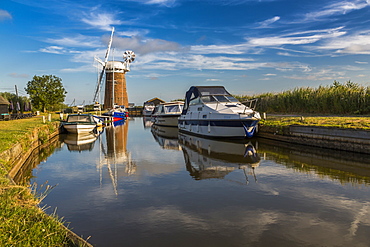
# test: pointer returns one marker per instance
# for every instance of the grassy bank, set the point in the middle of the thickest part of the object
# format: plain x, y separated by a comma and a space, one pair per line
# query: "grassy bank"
353, 122
22, 222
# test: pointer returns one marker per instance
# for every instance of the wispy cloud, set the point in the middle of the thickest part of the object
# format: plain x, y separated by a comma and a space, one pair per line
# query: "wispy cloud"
76, 41
166, 3
337, 8
103, 21
145, 46
53, 50
16, 75
358, 43
5, 15
267, 23
297, 38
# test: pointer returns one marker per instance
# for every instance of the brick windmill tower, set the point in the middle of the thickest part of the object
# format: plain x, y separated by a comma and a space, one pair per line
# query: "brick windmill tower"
115, 79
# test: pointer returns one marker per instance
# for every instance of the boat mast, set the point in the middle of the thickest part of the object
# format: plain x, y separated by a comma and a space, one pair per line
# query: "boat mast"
113, 81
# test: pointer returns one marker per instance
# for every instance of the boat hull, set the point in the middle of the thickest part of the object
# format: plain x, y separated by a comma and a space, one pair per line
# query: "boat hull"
117, 116
220, 128
78, 128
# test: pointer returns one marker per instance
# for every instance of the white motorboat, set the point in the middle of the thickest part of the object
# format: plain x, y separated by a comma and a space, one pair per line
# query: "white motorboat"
212, 111
167, 114
80, 123
148, 109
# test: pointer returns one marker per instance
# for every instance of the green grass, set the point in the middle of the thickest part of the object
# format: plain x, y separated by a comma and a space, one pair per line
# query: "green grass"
22, 222
327, 121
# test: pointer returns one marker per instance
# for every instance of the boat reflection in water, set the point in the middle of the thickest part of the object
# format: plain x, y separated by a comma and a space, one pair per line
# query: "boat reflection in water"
167, 137
82, 142
210, 158
114, 155
147, 121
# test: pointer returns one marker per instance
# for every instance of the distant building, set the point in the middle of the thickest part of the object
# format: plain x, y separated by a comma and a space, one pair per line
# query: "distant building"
155, 101
4, 105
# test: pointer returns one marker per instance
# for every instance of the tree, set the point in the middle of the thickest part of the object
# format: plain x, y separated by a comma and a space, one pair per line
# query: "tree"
45, 91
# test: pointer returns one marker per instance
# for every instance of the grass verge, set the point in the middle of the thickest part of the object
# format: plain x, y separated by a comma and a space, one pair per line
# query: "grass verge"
326, 121
22, 222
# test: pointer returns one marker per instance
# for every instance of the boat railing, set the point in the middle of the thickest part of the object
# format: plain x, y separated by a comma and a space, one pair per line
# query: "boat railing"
250, 104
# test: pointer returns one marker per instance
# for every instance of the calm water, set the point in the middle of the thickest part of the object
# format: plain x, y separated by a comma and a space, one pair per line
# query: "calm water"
132, 187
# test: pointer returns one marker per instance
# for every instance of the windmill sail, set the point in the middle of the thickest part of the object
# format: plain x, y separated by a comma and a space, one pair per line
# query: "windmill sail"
104, 64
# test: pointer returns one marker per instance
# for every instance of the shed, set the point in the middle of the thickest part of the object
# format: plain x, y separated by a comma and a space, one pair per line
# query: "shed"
4, 105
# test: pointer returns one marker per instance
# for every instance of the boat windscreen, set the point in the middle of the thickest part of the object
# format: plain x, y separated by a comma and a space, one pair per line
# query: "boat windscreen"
213, 91
173, 108
79, 118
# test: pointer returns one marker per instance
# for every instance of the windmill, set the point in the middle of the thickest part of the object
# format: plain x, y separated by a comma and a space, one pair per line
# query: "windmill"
115, 79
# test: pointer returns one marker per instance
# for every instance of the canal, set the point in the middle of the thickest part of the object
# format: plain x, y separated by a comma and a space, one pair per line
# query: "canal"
137, 186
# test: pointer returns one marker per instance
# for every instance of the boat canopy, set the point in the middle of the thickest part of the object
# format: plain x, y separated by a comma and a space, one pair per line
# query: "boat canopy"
207, 94
81, 118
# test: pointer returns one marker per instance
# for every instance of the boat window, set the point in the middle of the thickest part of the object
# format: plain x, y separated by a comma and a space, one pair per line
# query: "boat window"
221, 98
231, 98
207, 99
173, 108
78, 118
194, 101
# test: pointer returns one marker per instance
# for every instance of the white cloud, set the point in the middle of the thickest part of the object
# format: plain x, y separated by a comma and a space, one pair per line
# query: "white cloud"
267, 23
5, 15
167, 3
350, 44
301, 39
220, 49
77, 41
103, 21
16, 75
337, 8
145, 46
53, 50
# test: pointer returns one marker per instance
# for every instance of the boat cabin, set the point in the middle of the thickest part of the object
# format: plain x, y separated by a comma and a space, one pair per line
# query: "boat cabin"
207, 94
80, 118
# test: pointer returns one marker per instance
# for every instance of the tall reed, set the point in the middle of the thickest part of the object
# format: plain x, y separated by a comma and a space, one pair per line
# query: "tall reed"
346, 98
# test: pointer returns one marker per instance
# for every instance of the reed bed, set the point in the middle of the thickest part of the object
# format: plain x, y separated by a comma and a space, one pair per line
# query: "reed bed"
346, 98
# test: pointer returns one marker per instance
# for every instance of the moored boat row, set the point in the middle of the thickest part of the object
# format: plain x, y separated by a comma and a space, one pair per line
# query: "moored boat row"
208, 111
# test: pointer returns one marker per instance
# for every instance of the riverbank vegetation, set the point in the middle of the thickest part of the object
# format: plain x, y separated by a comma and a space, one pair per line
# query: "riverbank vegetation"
22, 222
355, 122
347, 98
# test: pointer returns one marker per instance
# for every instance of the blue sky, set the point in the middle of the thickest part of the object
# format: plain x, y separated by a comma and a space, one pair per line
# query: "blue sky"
248, 46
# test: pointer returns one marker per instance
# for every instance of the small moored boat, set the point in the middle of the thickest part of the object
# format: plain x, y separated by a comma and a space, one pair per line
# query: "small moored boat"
148, 108
167, 114
212, 111
80, 123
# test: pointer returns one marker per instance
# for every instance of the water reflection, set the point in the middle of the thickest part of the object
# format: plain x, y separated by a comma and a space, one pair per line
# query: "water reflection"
147, 121
167, 137
80, 142
134, 187
114, 155
209, 158
346, 167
